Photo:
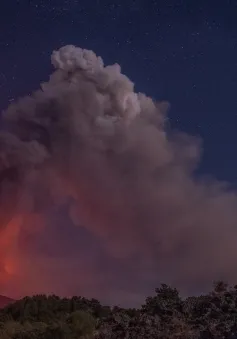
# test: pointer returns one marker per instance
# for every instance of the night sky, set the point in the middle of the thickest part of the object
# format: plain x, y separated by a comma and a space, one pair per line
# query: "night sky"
183, 52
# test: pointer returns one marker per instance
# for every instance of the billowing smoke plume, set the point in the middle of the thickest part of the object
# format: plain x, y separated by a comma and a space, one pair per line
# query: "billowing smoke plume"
97, 199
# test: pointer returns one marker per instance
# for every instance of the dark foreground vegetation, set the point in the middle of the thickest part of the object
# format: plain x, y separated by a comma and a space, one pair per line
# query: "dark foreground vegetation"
165, 315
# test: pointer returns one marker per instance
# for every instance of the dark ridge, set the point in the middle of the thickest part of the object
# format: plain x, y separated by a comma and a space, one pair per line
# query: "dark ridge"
5, 301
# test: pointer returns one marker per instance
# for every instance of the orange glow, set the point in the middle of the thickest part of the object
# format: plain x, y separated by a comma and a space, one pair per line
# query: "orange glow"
8, 247
10, 267
13, 265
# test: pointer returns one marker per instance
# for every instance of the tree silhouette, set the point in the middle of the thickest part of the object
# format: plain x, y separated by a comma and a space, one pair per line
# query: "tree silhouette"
164, 315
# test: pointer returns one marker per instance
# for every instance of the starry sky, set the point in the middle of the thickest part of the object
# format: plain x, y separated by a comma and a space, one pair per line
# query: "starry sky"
181, 51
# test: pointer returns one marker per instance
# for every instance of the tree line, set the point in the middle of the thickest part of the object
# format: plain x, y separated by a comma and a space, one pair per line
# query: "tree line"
164, 315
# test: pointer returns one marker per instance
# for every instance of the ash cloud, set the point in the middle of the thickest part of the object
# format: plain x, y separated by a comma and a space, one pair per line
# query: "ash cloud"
98, 199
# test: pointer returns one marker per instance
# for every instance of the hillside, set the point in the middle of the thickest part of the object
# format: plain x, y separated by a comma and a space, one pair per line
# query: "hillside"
4, 301
165, 315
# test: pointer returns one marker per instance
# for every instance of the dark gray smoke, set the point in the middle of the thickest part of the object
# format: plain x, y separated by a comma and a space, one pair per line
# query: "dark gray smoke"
97, 199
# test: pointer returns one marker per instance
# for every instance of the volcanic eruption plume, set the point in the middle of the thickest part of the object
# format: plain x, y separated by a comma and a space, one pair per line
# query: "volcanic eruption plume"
97, 199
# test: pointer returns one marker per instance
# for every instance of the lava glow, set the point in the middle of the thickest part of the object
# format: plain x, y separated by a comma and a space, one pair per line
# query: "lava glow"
8, 248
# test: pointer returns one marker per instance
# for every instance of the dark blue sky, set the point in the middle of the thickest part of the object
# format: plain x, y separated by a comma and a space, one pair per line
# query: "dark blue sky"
181, 51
